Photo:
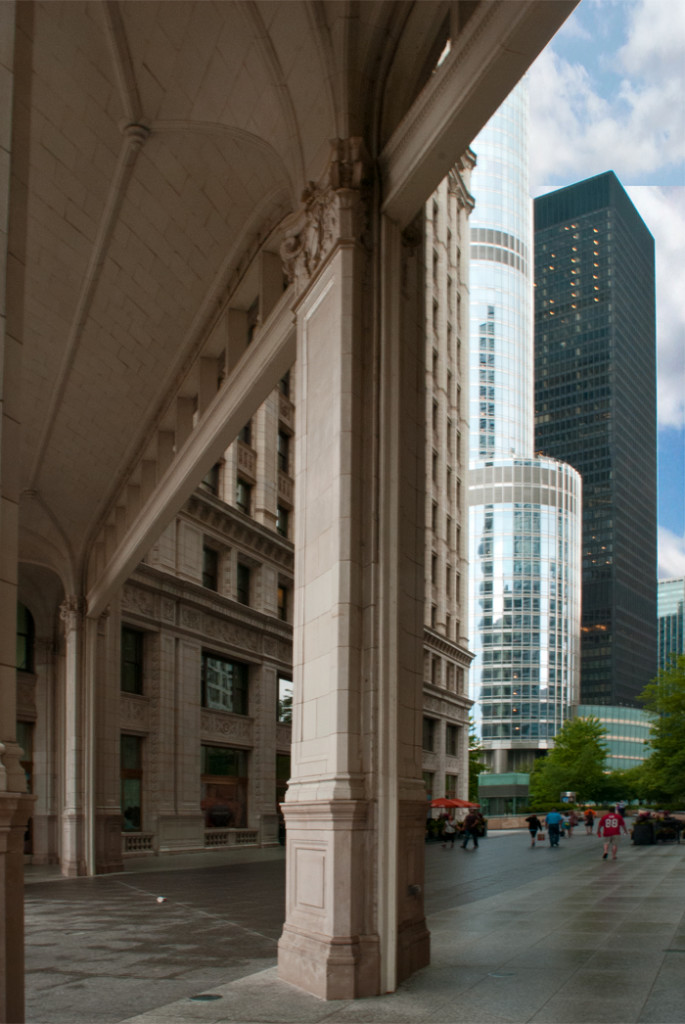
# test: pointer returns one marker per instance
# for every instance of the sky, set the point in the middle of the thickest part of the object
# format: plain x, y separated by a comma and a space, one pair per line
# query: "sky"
608, 93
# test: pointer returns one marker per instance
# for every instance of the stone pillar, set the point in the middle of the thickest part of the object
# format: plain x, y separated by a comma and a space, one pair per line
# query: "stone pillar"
73, 851
15, 804
104, 805
262, 803
355, 805
45, 753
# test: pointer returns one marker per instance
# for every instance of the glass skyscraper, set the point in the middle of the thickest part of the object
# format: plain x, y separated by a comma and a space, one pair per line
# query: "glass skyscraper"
595, 400
671, 616
524, 512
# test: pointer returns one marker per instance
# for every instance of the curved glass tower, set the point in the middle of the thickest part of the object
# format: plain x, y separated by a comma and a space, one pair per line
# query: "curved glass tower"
524, 512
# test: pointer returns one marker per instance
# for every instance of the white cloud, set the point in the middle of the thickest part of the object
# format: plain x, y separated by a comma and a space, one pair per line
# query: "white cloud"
671, 555
585, 122
663, 211
656, 30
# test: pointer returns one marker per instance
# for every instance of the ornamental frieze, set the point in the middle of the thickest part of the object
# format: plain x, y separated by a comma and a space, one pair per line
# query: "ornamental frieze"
237, 636
134, 712
225, 726
284, 736
136, 600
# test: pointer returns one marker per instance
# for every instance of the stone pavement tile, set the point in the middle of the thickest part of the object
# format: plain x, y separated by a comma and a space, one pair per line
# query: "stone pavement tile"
665, 1003
600, 996
516, 992
541, 956
100, 1000
260, 997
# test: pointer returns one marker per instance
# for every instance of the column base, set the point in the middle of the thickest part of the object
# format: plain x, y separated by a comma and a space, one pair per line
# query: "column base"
330, 968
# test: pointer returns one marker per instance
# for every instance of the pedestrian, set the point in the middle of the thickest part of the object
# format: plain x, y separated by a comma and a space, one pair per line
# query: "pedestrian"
589, 819
534, 826
553, 822
449, 832
472, 829
572, 822
610, 827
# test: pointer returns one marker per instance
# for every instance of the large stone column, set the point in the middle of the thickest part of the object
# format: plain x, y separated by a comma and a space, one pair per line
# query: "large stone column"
15, 804
73, 849
355, 804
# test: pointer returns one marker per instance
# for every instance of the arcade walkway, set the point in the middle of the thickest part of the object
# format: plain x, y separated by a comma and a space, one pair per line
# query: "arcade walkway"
518, 935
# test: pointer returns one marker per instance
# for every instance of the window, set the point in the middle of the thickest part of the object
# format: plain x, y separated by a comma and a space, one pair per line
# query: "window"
243, 579
282, 597
252, 320
282, 777
284, 385
282, 520
224, 787
243, 496
25, 639
25, 741
131, 782
131, 660
245, 434
210, 568
428, 742
285, 700
224, 684
283, 452
451, 740
428, 780
211, 481
451, 787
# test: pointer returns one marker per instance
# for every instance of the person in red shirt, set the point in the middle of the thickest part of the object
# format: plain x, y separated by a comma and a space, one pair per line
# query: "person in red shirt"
610, 827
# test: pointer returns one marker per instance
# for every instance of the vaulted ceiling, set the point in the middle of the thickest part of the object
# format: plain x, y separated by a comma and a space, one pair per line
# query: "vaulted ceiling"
155, 147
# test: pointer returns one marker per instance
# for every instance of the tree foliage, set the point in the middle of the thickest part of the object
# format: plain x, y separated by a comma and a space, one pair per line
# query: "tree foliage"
476, 766
663, 773
576, 763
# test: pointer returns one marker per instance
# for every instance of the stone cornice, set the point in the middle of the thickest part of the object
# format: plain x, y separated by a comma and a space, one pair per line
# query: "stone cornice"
197, 600
441, 645
240, 530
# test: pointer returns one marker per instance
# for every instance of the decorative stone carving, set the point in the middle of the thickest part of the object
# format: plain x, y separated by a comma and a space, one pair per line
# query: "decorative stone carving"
191, 618
225, 726
137, 600
134, 712
168, 609
331, 209
71, 612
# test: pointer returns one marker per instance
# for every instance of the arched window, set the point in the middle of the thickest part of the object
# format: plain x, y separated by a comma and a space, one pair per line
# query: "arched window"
26, 636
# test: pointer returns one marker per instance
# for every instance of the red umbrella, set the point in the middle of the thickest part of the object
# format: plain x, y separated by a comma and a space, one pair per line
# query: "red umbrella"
444, 801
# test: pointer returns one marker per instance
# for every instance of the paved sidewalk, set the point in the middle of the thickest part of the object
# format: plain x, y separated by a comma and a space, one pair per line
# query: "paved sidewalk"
518, 935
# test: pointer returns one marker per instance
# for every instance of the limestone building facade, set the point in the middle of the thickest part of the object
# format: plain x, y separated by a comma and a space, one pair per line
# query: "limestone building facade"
160, 164
205, 621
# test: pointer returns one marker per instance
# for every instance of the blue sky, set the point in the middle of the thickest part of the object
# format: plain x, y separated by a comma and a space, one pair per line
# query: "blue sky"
608, 93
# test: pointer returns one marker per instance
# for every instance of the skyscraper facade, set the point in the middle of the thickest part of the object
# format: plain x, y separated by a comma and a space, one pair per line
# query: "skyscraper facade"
671, 616
595, 403
524, 512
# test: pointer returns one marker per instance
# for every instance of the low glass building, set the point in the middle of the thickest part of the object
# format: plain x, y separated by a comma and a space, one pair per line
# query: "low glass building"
627, 733
670, 606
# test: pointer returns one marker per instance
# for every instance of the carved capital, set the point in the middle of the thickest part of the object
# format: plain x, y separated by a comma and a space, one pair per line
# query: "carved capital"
71, 612
334, 208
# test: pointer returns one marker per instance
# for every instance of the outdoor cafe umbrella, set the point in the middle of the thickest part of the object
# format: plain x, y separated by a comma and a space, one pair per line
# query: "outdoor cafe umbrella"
444, 801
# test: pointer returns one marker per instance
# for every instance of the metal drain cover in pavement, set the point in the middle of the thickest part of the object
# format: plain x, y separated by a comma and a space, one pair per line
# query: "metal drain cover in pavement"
206, 997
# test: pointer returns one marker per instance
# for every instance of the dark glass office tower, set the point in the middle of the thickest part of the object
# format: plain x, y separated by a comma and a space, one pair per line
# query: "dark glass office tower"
595, 407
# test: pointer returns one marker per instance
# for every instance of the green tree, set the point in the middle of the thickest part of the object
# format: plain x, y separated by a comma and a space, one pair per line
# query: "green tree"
664, 700
576, 763
476, 766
